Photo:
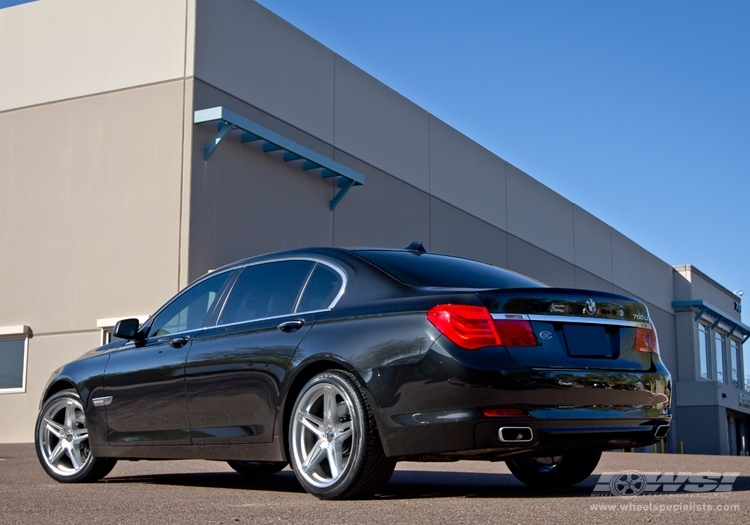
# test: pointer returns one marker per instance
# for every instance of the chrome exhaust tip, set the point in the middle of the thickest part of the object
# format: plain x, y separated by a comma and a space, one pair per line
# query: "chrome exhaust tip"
661, 431
515, 434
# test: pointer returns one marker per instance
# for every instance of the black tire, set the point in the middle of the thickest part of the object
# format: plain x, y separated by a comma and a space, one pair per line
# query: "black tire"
61, 441
339, 455
257, 468
558, 471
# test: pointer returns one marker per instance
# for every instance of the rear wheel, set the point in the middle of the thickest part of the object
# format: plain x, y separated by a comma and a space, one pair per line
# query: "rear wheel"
257, 468
62, 441
333, 440
555, 471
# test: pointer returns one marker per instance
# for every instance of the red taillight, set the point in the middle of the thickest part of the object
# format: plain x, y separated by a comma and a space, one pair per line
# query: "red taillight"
646, 340
502, 412
472, 327
469, 327
515, 332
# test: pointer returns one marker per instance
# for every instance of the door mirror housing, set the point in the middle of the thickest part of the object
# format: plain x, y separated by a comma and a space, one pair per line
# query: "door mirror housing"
126, 329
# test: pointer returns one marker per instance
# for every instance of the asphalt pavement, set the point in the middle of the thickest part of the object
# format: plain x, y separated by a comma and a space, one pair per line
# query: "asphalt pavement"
187, 492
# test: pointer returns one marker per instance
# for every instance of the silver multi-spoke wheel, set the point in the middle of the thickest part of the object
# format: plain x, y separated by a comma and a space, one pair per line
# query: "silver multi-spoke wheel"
62, 441
63, 437
334, 446
323, 433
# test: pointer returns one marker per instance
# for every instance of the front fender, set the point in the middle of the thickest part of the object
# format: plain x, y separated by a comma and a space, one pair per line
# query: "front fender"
86, 376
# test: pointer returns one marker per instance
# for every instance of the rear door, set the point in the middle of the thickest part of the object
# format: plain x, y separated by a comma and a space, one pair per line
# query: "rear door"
234, 370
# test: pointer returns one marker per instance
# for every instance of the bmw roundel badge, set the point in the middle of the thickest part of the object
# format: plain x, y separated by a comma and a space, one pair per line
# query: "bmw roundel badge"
590, 306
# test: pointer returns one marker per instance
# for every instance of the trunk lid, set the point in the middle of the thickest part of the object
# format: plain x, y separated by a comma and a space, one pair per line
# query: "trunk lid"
575, 329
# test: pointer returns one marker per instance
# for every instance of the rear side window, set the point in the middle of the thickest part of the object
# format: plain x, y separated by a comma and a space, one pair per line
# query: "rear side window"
321, 289
443, 271
266, 290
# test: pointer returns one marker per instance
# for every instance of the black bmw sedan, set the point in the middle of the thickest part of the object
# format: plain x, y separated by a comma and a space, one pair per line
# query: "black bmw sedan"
343, 362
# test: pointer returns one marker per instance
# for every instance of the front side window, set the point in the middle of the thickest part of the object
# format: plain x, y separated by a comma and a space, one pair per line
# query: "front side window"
721, 359
734, 350
266, 290
12, 364
190, 309
704, 351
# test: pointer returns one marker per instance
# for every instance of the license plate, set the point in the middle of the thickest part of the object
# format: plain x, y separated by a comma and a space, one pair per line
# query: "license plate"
587, 341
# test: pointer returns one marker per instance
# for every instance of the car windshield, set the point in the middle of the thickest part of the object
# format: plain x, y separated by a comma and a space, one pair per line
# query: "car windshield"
443, 271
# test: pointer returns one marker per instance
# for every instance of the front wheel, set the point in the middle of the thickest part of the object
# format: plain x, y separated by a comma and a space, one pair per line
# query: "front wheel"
62, 441
555, 471
333, 440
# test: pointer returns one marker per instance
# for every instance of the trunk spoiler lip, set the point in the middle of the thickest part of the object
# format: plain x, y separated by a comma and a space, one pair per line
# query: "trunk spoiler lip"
561, 318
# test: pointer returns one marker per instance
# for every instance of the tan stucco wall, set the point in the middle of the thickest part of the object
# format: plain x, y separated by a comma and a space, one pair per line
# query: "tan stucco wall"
94, 100
89, 192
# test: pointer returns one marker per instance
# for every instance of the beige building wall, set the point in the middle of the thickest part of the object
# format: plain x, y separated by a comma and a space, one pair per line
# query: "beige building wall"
92, 118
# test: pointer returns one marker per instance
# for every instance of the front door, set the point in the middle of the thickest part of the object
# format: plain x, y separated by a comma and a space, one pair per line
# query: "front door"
146, 378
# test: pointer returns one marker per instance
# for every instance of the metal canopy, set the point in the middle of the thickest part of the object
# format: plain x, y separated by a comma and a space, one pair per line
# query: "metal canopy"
704, 307
229, 121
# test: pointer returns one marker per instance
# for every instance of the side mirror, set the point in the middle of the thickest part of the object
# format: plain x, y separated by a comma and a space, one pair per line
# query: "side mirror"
126, 329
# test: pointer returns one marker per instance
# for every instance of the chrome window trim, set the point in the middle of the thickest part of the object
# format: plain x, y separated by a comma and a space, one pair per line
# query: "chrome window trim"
294, 314
304, 287
167, 337
573, 319
214, 273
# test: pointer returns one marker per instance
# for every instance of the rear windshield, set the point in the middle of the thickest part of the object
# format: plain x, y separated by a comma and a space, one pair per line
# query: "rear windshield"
443, 271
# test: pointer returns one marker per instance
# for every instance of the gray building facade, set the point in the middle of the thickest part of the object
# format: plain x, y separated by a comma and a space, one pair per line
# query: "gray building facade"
109, 203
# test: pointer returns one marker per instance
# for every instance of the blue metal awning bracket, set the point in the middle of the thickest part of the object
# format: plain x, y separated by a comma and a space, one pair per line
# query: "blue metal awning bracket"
224, 129
701, 311
272, 141
340, 195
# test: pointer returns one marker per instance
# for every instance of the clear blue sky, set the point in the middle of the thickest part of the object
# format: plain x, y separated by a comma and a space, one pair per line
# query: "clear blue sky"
637, 111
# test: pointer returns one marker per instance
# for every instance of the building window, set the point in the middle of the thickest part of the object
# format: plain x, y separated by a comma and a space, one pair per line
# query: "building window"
13, 359
734, 351
721, 358
704, 351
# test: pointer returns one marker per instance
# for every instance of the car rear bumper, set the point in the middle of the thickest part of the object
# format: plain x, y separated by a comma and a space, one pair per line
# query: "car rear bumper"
500, 438
437, 406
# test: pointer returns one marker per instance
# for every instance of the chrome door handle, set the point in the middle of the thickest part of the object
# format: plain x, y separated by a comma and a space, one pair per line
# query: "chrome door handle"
291, 326
179, 342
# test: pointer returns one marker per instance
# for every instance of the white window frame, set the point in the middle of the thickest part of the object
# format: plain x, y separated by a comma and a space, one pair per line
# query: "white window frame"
721, 336
17, 332
708, 352
108, 324
736, 344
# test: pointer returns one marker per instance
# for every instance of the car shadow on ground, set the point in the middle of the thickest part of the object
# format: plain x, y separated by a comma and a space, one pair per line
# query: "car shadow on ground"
405, 484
